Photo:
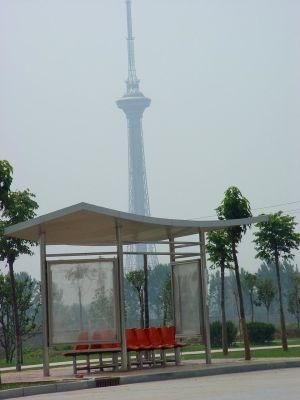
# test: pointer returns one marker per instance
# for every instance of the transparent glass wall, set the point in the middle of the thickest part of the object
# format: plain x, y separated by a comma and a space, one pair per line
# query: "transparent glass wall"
187, 292
83, 301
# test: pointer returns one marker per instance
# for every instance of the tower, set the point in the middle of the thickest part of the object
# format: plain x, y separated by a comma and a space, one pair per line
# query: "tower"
134, 103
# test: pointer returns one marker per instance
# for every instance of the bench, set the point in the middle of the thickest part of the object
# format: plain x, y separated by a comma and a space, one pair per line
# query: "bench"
89, 365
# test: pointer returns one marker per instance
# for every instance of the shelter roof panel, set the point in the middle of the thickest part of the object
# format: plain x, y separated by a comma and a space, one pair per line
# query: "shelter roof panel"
86, 224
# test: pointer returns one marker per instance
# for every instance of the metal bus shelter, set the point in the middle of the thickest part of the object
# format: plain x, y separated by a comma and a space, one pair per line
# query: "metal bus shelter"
97, 277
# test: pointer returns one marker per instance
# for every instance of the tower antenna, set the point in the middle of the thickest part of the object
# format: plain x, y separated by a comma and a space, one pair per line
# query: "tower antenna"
134, 103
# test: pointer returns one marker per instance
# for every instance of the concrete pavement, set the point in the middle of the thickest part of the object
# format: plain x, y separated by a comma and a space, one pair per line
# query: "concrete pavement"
263, 385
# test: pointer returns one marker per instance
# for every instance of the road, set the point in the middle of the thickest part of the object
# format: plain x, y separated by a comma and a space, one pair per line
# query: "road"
263, 385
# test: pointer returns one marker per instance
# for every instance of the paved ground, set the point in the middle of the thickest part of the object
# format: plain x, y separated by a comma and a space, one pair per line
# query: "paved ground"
264, 385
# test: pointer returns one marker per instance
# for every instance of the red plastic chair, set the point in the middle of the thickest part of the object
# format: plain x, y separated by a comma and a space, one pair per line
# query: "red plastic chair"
156, 339
168, 336
96, 337
83, 337
131, 340
143, 339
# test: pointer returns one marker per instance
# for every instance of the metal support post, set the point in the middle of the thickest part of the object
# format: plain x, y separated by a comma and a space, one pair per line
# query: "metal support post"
206, 329
172, 263
121, 298
44, 300
146, 291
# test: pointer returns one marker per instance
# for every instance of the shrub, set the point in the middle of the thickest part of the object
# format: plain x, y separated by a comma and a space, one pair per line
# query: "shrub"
216, 333
260, 332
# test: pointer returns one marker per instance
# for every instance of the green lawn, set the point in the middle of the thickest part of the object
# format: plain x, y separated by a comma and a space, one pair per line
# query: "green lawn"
269, 353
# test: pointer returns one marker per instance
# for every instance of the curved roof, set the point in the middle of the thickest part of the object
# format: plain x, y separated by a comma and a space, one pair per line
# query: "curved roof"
86, 224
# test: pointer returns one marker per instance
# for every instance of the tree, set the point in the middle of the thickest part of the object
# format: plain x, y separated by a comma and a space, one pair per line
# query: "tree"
294, 299
137, 280
265, 294
28, 304
234, 206
6, 172
277, 239
17, 207
219, 252
166, 300
249, 283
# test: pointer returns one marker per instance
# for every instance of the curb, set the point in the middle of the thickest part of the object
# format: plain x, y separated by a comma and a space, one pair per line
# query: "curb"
160, 376
211, 371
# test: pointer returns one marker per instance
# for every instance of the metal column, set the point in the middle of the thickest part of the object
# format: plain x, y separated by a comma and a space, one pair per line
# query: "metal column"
121, 298
206, 329
44, 299
172, 263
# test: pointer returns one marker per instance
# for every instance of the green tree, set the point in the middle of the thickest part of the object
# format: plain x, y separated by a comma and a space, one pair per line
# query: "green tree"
277, 239
17, 207
266, 292
166, 300
294, 298
250, 282
220, 255
137, 280
235, 206
6, 177
28, 304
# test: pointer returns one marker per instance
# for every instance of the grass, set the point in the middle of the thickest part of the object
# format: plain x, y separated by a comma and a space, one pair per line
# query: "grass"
268, 353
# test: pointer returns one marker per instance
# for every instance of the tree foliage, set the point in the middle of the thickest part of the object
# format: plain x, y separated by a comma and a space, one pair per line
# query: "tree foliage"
16, 207
266, 292
275, 239
236, 206
6, 177
28, 305
277, 236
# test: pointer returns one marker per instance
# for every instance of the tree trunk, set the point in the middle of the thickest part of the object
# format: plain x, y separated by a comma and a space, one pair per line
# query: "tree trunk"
141, 300
282, 319
15, 314
146, 291
268, 316
224, 327
252, 306
80, 308
242, 310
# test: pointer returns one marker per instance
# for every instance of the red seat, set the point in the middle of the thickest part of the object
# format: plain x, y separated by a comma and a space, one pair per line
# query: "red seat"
131, 340
96, 337
143, 339
168, 335
82, 337
155, 338
104, 335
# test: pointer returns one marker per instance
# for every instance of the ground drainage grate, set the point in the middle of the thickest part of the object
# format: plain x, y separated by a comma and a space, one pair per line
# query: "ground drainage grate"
105, 382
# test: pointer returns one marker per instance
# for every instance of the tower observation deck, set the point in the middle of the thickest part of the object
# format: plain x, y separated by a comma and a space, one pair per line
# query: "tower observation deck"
134, 103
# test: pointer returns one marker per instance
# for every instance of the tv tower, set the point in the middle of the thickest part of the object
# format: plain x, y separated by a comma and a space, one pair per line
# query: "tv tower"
134, 103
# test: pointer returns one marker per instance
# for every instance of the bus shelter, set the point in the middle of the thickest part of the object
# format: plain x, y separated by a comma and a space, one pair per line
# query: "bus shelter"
73, 282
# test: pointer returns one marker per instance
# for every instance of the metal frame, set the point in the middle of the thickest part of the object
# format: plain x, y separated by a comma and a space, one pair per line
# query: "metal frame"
44, 301
116, 302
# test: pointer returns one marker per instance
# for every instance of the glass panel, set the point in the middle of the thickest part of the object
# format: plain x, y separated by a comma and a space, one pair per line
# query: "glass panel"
186, 279
82, 302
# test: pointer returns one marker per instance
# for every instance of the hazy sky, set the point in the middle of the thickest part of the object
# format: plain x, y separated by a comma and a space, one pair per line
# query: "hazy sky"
224, 79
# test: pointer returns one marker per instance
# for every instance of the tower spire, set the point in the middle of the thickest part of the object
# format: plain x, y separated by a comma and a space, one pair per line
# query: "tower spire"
134, 103
132, 81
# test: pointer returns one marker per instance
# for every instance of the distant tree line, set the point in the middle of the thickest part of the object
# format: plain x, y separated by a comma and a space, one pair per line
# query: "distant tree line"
260, 294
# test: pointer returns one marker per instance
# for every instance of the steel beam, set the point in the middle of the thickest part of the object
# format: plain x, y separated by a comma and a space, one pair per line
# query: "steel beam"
206, 329
121, 297
44, 301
